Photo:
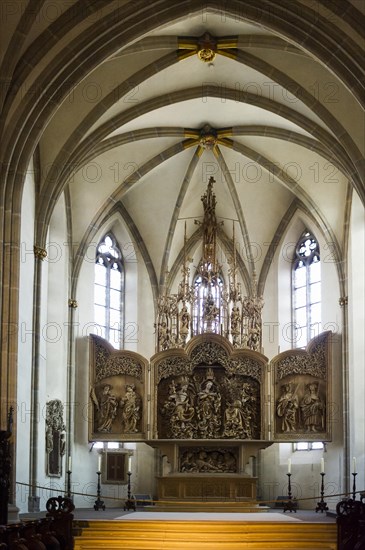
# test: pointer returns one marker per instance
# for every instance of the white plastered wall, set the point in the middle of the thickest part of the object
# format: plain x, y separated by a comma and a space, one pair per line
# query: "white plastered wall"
26, 280
277, 325
356, 349
53, 341
138, 320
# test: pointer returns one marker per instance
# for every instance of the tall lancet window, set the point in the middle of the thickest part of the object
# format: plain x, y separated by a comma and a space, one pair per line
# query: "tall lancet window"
207, 312
108, 290
306, 285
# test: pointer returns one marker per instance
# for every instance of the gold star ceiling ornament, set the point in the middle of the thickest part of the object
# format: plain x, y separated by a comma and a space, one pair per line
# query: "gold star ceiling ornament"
208, 138
206, 47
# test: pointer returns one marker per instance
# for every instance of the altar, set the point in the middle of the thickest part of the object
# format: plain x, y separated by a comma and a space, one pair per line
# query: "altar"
209, 400
201, 487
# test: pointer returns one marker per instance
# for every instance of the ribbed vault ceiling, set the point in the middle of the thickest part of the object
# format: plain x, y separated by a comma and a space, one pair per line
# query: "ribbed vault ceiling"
284, 130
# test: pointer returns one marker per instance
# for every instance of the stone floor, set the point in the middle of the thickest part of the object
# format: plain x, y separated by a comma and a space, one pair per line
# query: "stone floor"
112, 513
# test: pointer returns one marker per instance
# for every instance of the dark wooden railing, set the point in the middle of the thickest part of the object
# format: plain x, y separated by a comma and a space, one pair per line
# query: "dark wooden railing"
351, 524
54, 532
5, 468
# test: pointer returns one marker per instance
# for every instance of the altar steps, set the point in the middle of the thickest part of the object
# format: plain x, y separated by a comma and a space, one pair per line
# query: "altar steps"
205, 535
207, 506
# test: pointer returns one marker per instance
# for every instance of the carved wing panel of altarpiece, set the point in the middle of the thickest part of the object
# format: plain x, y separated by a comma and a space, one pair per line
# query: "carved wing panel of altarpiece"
118, 393
302, 390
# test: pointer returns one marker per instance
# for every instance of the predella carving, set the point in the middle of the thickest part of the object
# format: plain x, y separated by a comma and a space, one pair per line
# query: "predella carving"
207, 460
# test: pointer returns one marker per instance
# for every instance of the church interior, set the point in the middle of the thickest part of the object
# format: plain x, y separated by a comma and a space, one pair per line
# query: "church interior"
183, 252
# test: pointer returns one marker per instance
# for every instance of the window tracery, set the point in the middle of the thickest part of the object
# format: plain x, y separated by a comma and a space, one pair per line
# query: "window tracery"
108, 290
306, 290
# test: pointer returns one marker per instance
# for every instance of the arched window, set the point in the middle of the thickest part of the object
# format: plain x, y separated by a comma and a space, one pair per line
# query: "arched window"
108, 290
207, 316
306, 285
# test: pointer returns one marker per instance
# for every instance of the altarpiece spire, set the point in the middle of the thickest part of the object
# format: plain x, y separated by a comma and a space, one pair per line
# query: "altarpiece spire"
205, 302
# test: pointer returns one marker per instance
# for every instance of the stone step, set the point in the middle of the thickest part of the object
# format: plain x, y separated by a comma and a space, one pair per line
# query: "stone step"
207, 506
205, 535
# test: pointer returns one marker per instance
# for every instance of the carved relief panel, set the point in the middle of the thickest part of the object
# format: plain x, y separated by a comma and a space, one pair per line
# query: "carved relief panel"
302, 392
117, 393
55, 438
207, 393
208, 460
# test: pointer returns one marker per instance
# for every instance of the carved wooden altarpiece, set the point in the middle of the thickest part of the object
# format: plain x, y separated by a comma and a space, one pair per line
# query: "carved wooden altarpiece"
210, 407
302, 392
118, 393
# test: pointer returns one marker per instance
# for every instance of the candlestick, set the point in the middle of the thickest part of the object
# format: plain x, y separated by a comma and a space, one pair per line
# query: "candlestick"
322, 465
322, 505
130, 503
289, 504
354, 474
68, 491
289, 466
99, 503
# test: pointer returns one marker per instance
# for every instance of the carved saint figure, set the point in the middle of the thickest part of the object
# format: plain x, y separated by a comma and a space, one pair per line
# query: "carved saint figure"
286, 409
250, 411
209, 410
209, 204
210, 309
184, 323
312, 408
230, 464
180, 410
234, 420
49, 440
235, 324
62, 443
204, 463
107, 409
253, 341
188, 463
163, 335
131, 405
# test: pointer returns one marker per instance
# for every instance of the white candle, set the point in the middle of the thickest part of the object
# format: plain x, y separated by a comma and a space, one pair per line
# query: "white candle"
69, 464
99, 463
129, 463
354, 465
322, 465
289, 466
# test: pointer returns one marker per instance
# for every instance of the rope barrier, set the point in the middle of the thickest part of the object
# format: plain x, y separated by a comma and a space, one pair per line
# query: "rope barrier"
89, 495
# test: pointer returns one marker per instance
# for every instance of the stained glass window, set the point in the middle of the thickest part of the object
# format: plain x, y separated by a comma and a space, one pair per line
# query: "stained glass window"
207, 315
108, 290
306, 285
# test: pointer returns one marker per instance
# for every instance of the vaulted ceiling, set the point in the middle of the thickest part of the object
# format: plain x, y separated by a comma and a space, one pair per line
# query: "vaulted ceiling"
132, 106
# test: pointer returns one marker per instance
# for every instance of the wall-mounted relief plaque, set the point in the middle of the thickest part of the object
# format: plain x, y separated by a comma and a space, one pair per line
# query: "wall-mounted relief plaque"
55, 438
